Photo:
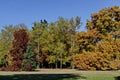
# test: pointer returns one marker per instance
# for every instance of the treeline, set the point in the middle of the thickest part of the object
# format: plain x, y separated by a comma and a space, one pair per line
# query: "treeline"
60, 44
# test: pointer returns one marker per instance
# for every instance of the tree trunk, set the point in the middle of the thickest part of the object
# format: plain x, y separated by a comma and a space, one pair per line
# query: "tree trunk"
56, 65
73, 65
61, 62
73, 58
38, 66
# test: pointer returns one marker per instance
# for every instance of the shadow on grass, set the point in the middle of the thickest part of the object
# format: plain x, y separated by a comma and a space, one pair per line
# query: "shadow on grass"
117, 78
42, 77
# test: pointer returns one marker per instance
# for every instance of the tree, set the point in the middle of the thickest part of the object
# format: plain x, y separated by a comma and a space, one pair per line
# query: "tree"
54, 41
55, 46
37, 31
99, 45
6, 37
20, 41
106, 20
29, 61
88, 40
67, 30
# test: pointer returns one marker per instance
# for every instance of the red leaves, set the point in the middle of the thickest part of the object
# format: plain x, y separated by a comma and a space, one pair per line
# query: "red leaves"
21, 39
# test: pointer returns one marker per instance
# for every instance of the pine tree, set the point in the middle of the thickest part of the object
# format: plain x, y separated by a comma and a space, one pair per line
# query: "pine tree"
29, 61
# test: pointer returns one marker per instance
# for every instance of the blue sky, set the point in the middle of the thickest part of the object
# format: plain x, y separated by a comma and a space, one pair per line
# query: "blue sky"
28, 11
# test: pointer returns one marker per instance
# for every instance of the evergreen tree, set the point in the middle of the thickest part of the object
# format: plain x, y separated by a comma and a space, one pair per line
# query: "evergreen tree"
29, 61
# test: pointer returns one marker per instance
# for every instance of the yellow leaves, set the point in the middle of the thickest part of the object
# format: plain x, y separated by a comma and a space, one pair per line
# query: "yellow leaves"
106, 23
51, 59
115, 64
106, 20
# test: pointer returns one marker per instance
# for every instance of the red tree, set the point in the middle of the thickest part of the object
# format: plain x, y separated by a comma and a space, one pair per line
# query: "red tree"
20, 41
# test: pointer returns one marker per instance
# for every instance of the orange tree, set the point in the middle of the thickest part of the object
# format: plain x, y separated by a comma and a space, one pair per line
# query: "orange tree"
99, 45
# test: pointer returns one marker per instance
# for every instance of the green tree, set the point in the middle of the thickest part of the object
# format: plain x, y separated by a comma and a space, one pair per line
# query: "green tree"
55, 46
29, 61
67, 30
55, 40
6, 37
37, 32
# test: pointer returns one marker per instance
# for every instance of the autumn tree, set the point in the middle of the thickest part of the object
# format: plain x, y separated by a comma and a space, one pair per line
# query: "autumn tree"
107, 23
100, 42
20, 41
106, 20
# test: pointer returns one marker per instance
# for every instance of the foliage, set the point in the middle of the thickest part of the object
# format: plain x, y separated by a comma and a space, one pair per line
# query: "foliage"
106, 20
38, 38
53, 42
100, 44
87, 40
96, 61
19, 47
4, 62
60, 44
6, 38
29, 61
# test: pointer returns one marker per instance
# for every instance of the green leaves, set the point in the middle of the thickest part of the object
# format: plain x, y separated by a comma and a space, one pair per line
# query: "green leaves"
56, 40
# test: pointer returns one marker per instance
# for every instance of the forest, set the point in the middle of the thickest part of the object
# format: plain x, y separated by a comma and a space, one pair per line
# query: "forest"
61, 44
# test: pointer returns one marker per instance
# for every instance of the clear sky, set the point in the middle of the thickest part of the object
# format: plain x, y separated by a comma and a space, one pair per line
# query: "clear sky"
28, 11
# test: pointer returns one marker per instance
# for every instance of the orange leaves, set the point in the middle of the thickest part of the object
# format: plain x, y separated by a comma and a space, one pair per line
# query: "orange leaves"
87, 40
96, 61
112, 46
104, 56
85, 61
100, 44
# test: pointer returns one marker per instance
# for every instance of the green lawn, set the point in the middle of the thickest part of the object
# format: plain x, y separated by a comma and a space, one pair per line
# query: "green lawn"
81, 75
101, 75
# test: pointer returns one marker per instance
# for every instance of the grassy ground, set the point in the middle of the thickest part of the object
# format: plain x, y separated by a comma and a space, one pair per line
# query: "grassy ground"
61, 75
101, 75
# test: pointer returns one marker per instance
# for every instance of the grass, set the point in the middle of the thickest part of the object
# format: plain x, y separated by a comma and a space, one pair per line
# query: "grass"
76, 75
101, 75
